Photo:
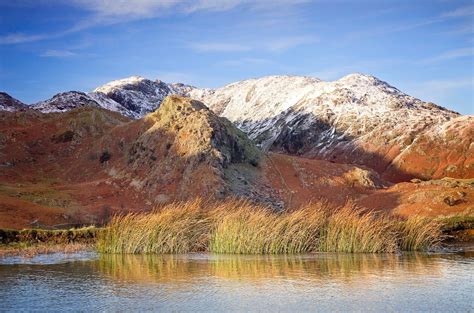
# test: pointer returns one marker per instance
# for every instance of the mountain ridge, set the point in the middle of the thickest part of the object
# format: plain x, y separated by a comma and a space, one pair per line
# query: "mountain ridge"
357, 119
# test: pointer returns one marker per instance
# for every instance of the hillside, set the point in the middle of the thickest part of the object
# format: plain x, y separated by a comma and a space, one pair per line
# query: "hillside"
84, 165
357, 119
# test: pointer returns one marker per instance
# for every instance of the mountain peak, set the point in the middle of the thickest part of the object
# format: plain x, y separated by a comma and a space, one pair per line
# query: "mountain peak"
8, 103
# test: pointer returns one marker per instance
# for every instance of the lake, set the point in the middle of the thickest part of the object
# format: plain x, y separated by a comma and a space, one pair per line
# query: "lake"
206, 282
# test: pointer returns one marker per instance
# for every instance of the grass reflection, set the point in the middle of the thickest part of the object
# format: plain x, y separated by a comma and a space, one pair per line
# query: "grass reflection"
314, 267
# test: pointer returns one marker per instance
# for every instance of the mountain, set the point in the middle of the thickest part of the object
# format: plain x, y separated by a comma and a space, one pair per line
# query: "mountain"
139, 95
8, 103
84, 165
357, 119
66, 101
133, 97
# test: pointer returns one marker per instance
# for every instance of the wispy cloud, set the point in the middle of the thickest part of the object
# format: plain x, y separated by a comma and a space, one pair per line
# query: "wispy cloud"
450, 55
271, 45
129, 9
16, 38
220, 47
465, 29
245, 61
459, 12
393, 29
58, 53
286, 43
109, 12
443, 85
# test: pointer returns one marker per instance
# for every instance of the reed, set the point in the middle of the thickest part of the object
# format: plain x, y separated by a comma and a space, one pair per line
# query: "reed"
240, 227
349, 229
250, 229
419, 233
175, 228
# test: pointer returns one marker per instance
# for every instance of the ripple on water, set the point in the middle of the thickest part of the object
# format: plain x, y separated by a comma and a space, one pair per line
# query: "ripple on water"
207, 282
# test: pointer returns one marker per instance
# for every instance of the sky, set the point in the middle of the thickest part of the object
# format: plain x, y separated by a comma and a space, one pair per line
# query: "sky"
424, 48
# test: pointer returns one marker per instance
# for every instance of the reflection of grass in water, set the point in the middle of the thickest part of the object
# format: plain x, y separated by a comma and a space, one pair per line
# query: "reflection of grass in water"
243, 228
340, 267
146, 267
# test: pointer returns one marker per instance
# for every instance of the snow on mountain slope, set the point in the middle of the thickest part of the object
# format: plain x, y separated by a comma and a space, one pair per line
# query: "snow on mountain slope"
356, 119
8, 103
65, 101
140, 95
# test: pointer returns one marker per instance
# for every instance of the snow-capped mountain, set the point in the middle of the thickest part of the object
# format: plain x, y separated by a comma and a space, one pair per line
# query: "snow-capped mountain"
356, 119
139, 95
8, 103
133, 97
353, 106
65, 101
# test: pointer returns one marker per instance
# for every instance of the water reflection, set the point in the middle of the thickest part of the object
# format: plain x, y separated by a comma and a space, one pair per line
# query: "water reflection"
344, 267
203, 282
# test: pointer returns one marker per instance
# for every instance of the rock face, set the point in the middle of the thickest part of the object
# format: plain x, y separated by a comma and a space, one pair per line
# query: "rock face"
183, 150
8, 103
357, 119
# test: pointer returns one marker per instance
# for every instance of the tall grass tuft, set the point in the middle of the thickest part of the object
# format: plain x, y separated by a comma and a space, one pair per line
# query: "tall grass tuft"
176, 228
419, 233
250, 229
349, 229
240, 227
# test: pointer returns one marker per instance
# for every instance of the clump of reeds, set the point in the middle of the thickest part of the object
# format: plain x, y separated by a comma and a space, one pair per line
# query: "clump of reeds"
176, 228
237, 226
419, 233
348, 229
257, 230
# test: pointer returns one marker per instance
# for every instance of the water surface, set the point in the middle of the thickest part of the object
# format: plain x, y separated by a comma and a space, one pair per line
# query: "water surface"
206, 282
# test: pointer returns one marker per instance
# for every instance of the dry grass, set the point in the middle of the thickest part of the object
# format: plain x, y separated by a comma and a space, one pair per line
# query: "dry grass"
174, 229
420, 233
29, 251
240, 227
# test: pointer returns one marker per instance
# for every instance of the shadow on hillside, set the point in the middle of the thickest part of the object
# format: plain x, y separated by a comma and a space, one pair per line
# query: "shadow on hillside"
309, 136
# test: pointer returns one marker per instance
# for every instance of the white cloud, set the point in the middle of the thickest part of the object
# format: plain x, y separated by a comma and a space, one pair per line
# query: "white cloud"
219, 47
126, 8
439, 86
107, 12
459, 12
272, 45
465, 29
245, 61
16, 38
286, 43
58, 53
452, 54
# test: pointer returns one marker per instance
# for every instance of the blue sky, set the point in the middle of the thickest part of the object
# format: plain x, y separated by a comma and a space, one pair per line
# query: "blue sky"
425, 48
